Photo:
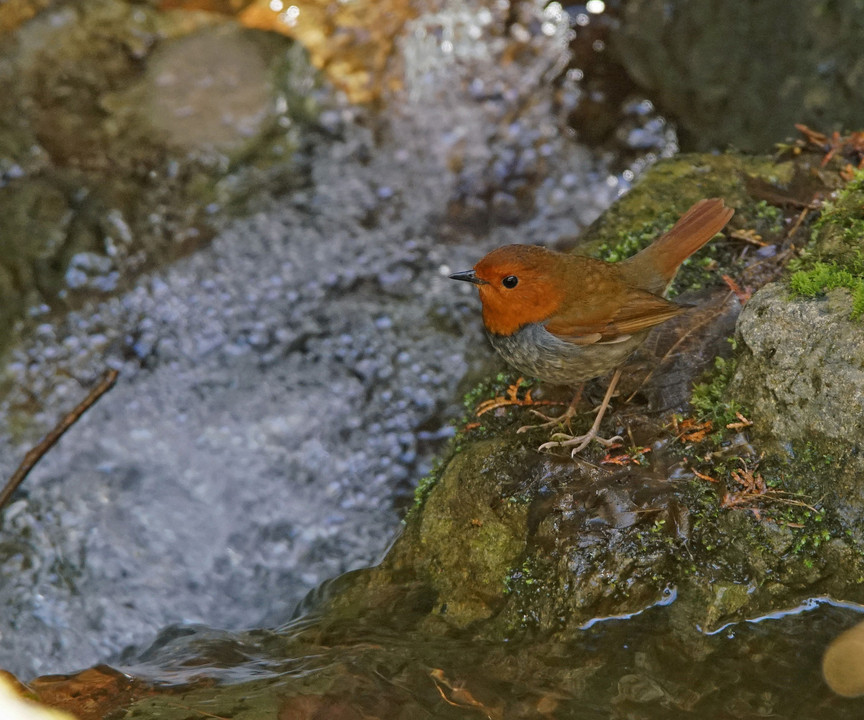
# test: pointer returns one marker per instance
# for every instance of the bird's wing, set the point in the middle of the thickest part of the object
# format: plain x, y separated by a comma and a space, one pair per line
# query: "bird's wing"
639, 310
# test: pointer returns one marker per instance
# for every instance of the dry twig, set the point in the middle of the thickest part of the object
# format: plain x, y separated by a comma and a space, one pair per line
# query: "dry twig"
511, 398
36, 454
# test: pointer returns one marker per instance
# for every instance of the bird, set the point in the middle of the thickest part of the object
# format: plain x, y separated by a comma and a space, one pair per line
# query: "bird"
565, 318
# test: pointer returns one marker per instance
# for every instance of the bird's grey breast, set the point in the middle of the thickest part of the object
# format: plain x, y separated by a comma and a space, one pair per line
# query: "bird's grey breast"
534, 351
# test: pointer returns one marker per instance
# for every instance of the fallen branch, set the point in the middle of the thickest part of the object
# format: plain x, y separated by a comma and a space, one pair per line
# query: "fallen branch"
36, 454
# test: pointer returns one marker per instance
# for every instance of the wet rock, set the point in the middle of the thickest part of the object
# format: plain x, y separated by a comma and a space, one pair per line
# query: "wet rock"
802, 367
580, 559
598, 542
471, 534
123, 127
716, 89
525, 581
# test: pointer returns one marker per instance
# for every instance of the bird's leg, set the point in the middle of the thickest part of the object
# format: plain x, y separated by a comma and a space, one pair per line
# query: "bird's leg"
564, 417
580, 442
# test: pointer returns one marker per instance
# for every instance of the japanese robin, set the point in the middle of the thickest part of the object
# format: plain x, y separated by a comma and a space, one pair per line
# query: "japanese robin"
566, 318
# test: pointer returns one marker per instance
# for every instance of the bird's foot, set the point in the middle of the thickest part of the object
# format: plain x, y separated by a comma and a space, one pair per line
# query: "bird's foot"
562, 419
578, 442
549, 421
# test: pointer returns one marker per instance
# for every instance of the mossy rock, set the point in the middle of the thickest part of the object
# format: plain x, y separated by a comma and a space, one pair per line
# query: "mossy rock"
671, 186
606, 542
839, 233
471, 531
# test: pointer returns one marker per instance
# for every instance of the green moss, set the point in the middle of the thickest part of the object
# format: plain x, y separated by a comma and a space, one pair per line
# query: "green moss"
629, 242
842, 220
667, 190
768, 217
711, 400
822, 277
490, 388
671, 186
797, 479
695, 272
465, 539
834, 257
858, 301
424, 487
523, 577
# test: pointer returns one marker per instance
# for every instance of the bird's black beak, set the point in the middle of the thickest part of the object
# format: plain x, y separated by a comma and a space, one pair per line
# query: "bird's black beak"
468, 276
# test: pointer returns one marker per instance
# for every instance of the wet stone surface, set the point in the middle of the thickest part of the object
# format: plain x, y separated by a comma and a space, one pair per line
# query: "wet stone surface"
804, 57
129, 135
281, 387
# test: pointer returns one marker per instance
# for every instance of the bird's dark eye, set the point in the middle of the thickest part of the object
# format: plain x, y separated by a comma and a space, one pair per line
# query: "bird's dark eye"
510, 282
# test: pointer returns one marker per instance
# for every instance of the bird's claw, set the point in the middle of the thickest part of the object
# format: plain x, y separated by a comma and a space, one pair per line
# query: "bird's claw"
579, 441
561, 419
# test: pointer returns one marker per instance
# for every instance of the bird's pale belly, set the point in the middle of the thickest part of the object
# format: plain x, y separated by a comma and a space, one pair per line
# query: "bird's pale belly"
535, 351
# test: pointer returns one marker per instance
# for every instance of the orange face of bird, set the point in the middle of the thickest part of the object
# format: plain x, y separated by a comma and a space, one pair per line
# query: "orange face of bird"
518, 284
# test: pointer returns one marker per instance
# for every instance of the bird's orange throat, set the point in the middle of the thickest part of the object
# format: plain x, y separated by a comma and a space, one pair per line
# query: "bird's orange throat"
504, 313
497, 324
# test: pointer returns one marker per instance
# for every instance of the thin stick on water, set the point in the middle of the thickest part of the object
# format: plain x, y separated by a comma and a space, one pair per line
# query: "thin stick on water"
36, 454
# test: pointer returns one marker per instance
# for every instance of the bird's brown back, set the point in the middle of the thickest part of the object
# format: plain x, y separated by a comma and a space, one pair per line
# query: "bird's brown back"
653, 268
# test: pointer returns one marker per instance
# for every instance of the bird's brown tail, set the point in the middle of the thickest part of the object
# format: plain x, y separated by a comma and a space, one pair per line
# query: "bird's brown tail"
695, 228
